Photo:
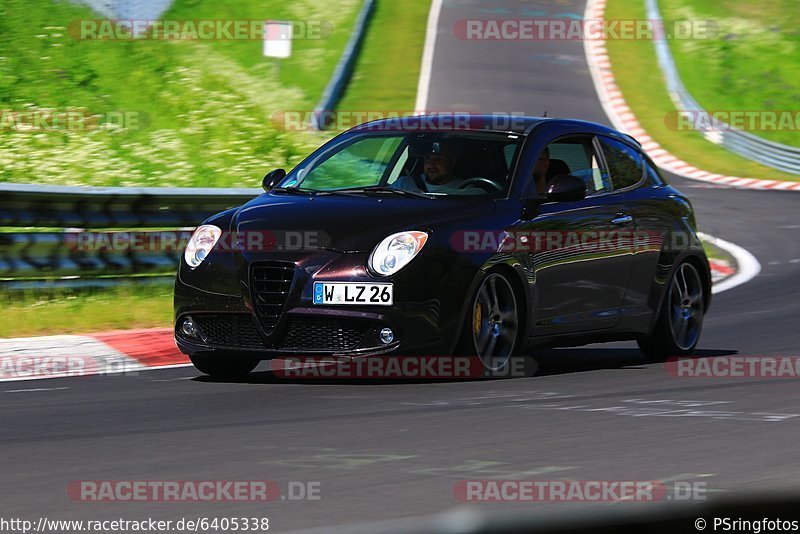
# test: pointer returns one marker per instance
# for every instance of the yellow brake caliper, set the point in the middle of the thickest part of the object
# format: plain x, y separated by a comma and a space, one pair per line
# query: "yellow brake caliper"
477, 315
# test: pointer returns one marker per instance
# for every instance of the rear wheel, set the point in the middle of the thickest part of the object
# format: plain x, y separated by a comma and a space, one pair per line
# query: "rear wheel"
223, 365
680, 320
492, 325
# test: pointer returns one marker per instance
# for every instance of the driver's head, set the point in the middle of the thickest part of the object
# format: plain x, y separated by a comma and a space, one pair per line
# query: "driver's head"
440, 163
540, 171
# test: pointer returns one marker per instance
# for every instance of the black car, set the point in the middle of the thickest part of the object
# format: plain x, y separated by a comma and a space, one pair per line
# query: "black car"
542, 231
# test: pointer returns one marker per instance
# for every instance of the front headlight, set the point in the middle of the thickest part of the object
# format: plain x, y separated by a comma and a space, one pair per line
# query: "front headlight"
396, 251
200, 244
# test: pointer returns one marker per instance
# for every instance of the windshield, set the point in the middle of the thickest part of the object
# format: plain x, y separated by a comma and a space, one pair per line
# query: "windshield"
421, 163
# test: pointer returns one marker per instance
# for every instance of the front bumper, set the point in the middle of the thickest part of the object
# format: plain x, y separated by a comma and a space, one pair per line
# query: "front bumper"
236, 309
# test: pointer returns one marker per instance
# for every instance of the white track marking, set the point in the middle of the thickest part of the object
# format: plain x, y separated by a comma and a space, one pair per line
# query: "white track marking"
34, 389
431, 30
172, 379
748, 266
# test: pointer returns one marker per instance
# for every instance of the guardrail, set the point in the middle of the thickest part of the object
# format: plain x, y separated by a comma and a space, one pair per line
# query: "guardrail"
113, 207
775, 155
344, 69
58, 254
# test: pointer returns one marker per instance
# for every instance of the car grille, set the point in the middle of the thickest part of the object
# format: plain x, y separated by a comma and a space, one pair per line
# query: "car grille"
270, 283
322, 334
229, 330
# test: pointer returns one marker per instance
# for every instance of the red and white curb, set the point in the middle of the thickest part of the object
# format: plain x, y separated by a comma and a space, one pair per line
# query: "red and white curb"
623, 119
108, 353
720, 269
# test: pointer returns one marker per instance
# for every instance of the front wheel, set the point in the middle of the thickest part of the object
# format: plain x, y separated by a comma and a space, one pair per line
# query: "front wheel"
223, 365
680, 320
492, 325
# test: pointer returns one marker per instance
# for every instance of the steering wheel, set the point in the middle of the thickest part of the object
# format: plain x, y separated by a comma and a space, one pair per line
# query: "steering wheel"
481, 182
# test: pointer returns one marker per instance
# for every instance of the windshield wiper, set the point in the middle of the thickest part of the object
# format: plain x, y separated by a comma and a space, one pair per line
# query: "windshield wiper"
379, 189
295, 191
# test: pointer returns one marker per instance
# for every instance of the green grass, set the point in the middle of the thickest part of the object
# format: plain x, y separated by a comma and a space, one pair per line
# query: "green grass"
387, 71
637, 72
206, 108
752, 64
715, 253
208, 112
37, 313
311, 64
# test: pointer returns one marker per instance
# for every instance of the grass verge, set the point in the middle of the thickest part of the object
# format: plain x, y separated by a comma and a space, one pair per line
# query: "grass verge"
751, 64
40, 313
638, 75
715, 253
387, 70
203, 111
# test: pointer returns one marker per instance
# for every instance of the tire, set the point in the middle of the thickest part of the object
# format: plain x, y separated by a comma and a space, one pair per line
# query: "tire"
491, 328
223, 365
680, 319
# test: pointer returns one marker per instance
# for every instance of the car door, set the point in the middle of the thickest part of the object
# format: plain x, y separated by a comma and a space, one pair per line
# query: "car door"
580, 253
657, 214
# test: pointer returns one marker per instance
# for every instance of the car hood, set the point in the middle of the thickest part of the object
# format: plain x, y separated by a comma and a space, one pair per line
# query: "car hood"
350, 223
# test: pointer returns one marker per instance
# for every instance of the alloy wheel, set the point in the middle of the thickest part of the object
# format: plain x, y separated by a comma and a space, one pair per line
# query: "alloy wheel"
495, 321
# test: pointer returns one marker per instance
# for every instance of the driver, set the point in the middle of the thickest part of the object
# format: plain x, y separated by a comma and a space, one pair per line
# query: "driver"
540, 171
439, 166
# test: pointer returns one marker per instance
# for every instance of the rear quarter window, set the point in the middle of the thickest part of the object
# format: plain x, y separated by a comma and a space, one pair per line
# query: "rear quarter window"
625, 163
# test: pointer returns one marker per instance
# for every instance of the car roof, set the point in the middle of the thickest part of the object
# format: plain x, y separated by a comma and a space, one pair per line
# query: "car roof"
469, 122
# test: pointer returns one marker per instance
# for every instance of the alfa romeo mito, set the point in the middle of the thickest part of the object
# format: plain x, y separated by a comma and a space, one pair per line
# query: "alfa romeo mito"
477, 235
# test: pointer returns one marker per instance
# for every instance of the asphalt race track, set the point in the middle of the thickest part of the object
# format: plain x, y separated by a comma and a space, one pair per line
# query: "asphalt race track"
391, 450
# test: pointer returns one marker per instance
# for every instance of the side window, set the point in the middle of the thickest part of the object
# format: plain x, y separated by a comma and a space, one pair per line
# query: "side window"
652, 173
508, 153
575, 155
624, 162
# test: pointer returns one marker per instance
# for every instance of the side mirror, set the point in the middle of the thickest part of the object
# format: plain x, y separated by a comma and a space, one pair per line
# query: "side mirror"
565, 188
272, 178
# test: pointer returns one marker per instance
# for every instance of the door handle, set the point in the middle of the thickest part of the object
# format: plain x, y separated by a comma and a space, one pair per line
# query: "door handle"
624, 219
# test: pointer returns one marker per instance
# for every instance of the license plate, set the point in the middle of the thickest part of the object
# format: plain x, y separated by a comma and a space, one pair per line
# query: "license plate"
349, 293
